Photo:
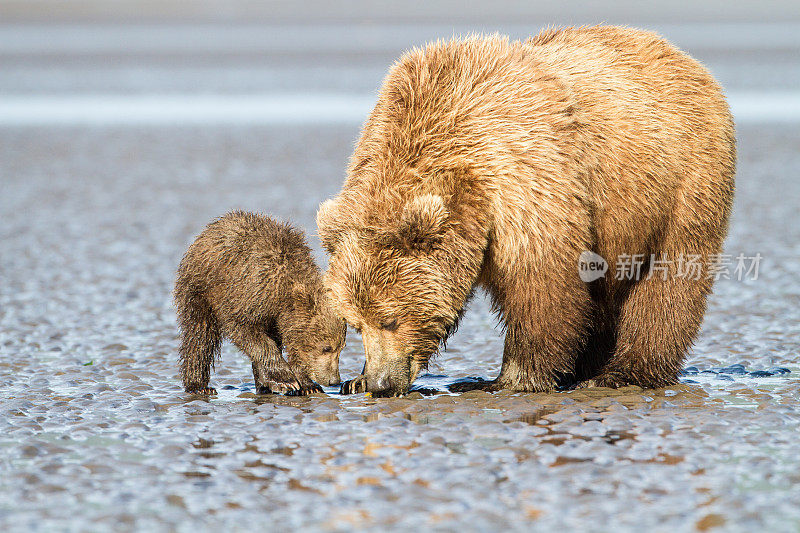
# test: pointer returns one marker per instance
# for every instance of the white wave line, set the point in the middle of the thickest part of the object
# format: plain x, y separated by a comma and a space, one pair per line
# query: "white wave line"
184, 109
274, 108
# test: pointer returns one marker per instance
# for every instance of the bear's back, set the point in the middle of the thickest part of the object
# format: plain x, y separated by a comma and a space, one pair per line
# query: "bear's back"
633, 85
244, 256
585, 82
612, 122
605, 114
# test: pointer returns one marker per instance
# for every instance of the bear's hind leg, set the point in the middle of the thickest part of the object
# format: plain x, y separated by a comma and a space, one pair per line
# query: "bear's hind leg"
200, 340
658, 323
662, 314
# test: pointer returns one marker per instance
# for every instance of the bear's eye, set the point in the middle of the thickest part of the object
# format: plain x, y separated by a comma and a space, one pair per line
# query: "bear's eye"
327, 349
390, 326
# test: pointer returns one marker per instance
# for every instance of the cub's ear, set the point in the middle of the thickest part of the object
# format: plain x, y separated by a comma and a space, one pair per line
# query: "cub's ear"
328, 228
423, 221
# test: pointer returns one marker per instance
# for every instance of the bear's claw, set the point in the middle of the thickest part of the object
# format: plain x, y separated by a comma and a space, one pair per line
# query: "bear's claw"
277, 387
306, 389
354, 386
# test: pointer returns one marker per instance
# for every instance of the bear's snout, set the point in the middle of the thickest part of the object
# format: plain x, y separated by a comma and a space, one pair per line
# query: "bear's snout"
331, 381
386, 384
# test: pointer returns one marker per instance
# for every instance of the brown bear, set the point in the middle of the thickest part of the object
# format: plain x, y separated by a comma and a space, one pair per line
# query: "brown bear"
496, 164
252, 280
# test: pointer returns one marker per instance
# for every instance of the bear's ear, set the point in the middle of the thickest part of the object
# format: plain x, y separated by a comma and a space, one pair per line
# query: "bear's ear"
327, 226
423, 221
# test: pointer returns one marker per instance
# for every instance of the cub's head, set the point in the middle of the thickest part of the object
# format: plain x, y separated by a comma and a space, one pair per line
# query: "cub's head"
316, 335
396, 281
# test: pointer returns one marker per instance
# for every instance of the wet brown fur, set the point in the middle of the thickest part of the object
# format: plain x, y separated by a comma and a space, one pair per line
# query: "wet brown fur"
493, 163
252, 280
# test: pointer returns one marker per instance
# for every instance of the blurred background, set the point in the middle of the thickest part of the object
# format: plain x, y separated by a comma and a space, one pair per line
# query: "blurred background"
125, 126
295, 55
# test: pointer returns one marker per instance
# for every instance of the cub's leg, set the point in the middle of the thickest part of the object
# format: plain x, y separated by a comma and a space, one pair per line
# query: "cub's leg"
200, 340
271, 372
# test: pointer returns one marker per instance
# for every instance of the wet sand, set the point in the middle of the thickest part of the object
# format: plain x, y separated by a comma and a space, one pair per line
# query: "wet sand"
95, 431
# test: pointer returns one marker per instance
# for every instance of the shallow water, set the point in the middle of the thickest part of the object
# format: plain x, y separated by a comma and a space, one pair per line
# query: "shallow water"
95, 432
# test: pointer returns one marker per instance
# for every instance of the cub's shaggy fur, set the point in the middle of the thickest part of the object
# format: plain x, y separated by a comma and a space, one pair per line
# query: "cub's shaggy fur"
490, 163
252, 280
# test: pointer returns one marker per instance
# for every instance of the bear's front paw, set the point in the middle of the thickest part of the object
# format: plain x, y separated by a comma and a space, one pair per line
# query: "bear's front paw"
354, 386
289, 388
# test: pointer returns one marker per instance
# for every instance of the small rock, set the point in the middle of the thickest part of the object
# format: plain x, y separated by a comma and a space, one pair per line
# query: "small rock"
733, 369
779, 370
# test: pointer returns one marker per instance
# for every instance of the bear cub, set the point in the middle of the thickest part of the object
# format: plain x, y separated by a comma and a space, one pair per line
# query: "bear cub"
253, 281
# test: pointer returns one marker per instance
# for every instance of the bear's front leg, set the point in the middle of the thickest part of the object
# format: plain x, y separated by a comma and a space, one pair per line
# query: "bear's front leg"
271, 372
536, 358
278, 377
545, 308
274, 381
528, 366
284, 381
358, 385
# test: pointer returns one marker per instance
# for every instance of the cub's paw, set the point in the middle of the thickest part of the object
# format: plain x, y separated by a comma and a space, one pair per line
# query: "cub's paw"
354, 386
306, 389
289, 388
203, 391
272, 386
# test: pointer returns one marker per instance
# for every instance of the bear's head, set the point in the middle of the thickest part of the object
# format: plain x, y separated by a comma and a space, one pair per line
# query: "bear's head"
397, 279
